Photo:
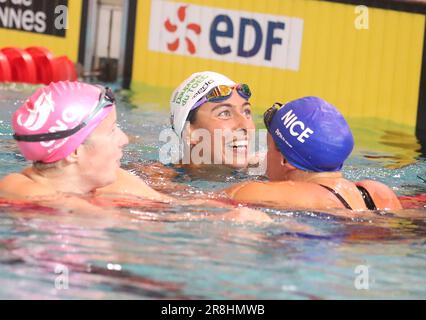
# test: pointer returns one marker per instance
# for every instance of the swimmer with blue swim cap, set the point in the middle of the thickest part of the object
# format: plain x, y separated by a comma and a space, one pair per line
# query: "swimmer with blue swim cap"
308, 142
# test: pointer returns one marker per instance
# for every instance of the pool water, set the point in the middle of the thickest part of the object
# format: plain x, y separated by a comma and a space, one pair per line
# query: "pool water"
54, 254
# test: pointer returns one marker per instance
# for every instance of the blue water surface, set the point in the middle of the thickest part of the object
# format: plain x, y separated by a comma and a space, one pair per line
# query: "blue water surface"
53, 254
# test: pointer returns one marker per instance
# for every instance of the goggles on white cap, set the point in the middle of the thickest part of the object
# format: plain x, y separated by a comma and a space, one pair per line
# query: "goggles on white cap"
193, 90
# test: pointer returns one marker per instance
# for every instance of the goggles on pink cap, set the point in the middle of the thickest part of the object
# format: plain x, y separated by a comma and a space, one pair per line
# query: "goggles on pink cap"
106, 99
58, 118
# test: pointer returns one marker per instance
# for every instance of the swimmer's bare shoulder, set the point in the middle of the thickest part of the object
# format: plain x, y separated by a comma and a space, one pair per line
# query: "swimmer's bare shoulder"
284, 194
130, 184
290, 194
19, 185
382, 195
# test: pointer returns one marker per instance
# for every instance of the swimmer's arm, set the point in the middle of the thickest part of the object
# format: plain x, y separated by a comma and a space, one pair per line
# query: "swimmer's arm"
157, 176
18, 186
130, 184
274, 194
154, 170
383, 196
236, 215
232, 191
250, 193
243, 215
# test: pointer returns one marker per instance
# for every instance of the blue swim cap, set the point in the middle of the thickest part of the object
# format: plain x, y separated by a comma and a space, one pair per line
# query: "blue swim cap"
312, 135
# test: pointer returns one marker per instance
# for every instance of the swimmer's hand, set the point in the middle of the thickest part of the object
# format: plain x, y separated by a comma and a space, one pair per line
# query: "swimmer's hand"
130, 184
256, 159
244, 215
153, 171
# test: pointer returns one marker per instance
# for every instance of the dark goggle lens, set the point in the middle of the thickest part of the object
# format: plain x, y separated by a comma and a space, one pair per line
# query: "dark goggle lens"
270, 113
108, 95
244, 91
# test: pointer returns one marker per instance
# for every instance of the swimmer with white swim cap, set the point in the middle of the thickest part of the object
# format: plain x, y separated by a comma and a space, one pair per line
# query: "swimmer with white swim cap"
308, 142
213, 102
212, 118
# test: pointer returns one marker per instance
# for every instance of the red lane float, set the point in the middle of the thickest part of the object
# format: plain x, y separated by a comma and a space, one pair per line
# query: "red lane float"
43, 61
22, 65
5, 71
63, 69
34, 65
413, 202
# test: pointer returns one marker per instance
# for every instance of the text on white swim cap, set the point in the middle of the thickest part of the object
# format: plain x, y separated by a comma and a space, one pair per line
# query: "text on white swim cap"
290, 122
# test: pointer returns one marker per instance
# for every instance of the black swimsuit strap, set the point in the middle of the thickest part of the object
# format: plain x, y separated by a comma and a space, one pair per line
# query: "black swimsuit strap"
338, 196
369, 202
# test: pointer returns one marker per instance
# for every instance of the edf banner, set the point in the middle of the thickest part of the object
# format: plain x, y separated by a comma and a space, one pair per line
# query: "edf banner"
226, 35
364, 59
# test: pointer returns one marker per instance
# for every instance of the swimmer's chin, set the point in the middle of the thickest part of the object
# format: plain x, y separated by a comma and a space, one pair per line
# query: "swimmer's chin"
253, 161
237, 166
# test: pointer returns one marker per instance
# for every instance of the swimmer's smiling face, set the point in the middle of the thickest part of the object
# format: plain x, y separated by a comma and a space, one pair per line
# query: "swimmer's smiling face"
100, 155
232, 116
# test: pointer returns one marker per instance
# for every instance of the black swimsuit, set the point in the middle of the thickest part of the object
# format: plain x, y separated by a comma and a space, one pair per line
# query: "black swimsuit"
369, 203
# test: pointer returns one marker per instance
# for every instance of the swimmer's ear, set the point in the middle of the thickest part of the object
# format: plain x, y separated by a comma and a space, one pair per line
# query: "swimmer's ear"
192, 139
286, 164
73, 156
283, 160
186, 134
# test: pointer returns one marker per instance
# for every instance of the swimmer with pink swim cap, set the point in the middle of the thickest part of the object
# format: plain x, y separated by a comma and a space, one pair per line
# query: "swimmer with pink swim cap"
56, 119
69, 131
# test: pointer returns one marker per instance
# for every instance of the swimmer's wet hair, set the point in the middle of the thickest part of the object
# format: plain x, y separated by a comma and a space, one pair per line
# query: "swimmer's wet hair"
192, 115
41, 166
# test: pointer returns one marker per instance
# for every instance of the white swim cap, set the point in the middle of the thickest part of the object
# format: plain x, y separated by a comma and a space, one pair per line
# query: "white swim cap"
189, 92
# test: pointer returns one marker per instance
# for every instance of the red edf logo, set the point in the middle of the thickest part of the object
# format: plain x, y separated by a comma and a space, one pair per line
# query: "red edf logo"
172, 28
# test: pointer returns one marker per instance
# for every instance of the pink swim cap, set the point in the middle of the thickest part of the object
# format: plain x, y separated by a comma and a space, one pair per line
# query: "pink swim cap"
58, 107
